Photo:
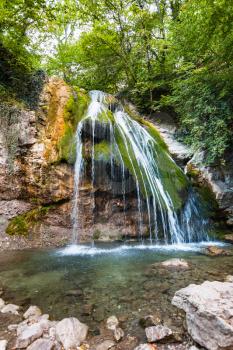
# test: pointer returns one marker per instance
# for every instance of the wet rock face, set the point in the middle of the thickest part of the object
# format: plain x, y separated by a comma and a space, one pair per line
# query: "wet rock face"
31, 175
219, 179
209, 313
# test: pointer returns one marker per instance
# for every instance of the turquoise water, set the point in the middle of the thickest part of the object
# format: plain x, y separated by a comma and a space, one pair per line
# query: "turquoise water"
93, 283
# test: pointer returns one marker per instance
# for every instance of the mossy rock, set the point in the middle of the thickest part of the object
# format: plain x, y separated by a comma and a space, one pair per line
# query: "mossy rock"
76, 109
102, 151
21, 224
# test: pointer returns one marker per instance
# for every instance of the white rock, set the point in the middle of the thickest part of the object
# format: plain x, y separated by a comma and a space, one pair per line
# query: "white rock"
41, 344
156, 333
28, 335
45, 324
3, 344
106, 345
209, 313
112, 323
229, 278
32, 311
11, 309
175, 263
71, 332
2, 303
118, 333
146, 347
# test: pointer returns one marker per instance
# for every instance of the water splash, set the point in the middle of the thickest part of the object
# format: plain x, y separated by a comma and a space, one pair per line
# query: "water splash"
126, 135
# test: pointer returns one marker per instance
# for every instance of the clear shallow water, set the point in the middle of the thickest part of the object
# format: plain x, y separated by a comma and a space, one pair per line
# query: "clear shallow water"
93, 283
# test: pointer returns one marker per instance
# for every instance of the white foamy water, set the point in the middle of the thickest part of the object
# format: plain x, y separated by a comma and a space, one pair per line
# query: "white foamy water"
81, 250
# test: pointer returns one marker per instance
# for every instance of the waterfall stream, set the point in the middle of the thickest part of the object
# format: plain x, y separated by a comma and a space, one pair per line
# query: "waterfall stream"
134, 148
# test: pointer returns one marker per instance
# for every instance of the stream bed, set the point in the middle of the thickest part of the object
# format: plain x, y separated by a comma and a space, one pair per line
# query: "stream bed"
94, 282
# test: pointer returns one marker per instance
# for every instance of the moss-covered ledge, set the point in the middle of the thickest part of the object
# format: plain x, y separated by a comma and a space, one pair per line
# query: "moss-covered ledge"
22, 224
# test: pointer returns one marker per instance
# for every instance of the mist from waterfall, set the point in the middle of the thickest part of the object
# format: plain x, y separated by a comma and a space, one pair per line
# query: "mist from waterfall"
164, 221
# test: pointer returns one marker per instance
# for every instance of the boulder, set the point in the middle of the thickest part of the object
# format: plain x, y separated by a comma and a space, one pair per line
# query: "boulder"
106, 345
229, 278
112, 323
32, 311
157, 333
177, 264
27, 334
71, 332
41, 344
146, 347
209, 313
3, 344
11, 309
216, 251
229, 238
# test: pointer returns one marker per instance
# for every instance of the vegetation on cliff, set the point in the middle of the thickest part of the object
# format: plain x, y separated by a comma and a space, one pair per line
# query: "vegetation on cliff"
22, 224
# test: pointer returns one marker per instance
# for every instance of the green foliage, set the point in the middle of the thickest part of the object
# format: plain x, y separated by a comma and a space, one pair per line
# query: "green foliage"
205, 111
22, 224
20, 22
202, 89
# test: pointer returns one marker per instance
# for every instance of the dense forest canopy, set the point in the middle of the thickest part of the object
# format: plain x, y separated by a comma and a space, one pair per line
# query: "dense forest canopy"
173, 55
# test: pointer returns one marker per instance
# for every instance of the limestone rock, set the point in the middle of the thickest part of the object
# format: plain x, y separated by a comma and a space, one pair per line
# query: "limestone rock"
71, 332
11, 309
215, 251
41, 344
118, 333
146, 347
3, 344
156, 333
32, 311
175, 264
218, 178
229, 238
229, 278
209, 313
28, 334
106, 345
112, 323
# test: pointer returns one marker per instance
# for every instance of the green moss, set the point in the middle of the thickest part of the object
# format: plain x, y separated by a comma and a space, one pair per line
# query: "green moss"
21, 224
77, 106
152, 130
172, 177
192, 171
96, 235
102, 151
76, 109
66, 146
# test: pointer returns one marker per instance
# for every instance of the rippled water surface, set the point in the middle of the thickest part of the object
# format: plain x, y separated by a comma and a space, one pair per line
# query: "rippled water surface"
93, 283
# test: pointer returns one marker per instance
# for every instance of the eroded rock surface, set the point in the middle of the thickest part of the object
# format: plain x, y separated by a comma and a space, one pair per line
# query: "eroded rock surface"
209, 313
71, 332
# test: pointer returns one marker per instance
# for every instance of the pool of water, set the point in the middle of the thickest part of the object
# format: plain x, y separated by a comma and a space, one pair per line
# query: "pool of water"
94, 282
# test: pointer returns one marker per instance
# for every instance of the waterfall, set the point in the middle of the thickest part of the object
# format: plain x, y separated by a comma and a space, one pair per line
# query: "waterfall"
135, 149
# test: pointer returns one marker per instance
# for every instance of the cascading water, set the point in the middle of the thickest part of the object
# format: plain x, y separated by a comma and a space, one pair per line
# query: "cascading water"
134, 148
